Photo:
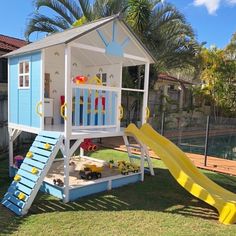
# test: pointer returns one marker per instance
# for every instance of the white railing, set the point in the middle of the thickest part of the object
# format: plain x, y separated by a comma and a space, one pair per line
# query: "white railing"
95, 106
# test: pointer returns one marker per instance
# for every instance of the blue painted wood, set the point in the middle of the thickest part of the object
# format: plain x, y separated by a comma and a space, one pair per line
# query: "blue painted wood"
92, 112
114, 49
34, 163
12, 207
46, 140
102, 36
23, 102
13, 93
23, 188
85, 107
27, 182
28, 168
35, 85
113, 108
87, 190
126, 180
11, 198
40, 158
114, 30
100, 108
107, 108
50, 134
40, 151
52, 189
77, 106
41, 145
125, 42
27, 175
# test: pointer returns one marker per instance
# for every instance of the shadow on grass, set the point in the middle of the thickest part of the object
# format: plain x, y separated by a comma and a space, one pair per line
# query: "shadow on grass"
160, 193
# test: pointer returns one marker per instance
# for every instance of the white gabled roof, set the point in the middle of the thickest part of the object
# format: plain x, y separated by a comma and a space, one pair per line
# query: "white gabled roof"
70, 35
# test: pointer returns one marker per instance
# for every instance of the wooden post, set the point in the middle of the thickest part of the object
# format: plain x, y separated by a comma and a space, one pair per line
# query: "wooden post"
145, 93
68, 121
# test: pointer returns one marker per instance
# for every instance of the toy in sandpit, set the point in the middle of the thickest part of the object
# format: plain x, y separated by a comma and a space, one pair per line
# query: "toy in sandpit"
58, 182
72, 166
126, 167
88, 145
80, 79
91, 172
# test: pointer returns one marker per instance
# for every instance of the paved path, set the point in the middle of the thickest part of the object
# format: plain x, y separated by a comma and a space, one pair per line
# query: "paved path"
214, 164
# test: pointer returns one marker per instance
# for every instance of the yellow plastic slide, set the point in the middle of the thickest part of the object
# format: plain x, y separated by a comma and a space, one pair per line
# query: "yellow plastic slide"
186, 173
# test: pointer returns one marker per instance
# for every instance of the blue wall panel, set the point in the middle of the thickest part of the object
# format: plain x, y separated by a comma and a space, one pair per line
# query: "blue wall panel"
23, 101
87, 190
35, 87
13, 94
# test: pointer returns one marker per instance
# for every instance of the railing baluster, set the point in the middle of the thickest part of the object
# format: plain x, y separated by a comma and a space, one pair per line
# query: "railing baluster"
85, 107
77, 107
107, 108
100, 108
113, 108
92, 112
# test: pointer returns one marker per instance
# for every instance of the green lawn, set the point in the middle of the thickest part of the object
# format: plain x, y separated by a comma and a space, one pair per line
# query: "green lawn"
159, 206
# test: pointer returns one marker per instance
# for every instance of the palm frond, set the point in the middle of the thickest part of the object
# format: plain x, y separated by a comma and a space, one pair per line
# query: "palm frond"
56, 6
86, 9
42, 22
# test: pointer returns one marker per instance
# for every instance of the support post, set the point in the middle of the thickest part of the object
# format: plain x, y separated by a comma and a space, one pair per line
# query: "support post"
206, 140
68, 121
145, 93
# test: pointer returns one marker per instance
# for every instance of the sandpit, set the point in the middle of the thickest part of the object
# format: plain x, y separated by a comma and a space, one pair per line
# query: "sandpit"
57, 172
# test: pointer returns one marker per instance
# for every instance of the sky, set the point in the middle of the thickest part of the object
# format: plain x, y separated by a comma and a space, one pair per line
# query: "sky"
213, 21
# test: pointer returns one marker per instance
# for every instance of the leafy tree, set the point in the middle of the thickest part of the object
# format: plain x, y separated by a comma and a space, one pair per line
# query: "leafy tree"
218, 77
161, 26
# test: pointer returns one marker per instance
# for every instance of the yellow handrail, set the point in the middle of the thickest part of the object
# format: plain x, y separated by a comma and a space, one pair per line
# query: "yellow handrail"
63, 111
121, 112
147, 114
37, 108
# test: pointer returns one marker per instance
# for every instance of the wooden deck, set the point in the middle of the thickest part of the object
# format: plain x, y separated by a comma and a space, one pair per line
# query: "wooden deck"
220, 165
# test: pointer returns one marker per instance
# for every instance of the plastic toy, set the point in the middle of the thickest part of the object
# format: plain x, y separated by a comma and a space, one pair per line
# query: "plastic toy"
18, 161
47, 146
58, 182
29, 155
91, 172
80, 79
87, 145
17, 178
21, 196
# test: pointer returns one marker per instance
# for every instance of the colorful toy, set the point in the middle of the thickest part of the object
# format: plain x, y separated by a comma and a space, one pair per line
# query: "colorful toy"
91, 172
87, 145
80, 79
58, 182
18, 161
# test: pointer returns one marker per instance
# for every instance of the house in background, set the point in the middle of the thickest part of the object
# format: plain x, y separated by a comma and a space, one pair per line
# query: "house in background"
7, 44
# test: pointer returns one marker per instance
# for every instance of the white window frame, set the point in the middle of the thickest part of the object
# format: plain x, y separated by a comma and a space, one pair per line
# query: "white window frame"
23, 74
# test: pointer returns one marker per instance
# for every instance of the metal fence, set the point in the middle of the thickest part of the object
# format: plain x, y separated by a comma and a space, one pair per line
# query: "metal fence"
195, 133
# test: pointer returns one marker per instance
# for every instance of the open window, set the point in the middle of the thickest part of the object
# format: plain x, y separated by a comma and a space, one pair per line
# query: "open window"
24, 75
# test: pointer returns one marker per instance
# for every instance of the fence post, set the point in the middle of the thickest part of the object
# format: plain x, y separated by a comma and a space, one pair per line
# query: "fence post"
206, 140
162, 122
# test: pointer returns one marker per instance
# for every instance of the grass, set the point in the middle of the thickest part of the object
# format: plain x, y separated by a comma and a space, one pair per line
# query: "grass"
158, 206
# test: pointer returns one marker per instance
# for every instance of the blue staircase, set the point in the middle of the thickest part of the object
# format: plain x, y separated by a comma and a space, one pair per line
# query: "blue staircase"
29, 177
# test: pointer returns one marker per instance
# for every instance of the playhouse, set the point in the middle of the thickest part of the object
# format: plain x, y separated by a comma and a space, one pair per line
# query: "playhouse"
66, 88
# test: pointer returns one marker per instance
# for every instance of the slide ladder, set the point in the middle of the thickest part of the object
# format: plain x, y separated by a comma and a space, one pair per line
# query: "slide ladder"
144, 154
32, 171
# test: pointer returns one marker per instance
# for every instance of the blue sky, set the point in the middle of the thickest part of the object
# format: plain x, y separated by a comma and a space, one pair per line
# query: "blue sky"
214, 21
